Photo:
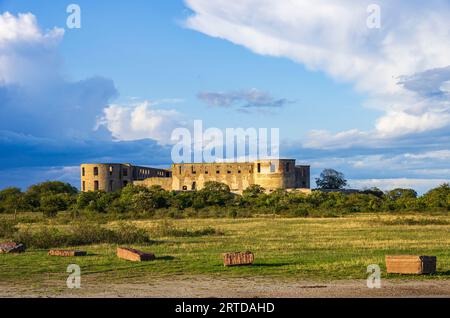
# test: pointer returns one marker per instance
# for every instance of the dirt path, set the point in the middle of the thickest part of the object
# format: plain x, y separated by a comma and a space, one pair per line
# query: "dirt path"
202, 287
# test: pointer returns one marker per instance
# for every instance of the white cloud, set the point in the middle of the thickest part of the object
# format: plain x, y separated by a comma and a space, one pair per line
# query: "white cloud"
420, 185
35, 98
141, 121
332, 36
25, 50
250, 98
438, 154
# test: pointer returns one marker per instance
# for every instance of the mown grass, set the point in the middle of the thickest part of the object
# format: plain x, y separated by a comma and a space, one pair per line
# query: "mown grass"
301, 248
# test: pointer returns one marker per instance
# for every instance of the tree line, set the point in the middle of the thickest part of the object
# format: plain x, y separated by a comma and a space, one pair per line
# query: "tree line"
216, 199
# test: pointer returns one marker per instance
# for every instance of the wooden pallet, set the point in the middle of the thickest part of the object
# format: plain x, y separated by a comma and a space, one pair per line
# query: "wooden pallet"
66, 253
410, 264
238, 259
134, 255
11, 247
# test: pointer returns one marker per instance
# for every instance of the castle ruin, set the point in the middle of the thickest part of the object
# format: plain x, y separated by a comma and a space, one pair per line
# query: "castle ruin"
269, 174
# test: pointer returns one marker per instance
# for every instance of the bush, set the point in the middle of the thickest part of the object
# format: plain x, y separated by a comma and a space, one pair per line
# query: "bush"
301, 211
53, 187
150, 199
12, 200
213, 193
51, 204
438, 198
7, 228
81, 234
411, 221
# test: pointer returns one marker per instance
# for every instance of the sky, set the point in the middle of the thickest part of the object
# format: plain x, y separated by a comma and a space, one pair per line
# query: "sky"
370, 102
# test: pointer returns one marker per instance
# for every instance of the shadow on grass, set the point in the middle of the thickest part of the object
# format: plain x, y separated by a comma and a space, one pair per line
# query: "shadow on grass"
164, 258
271, 264
256, 265
133, 265
446, 273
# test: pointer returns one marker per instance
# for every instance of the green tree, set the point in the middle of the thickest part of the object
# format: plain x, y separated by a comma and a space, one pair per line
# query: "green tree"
35, 192
153, 198
51, 203
438, 197
12, 200
253, 191
400, 193
331, 179
214, 194
53, 187
182, 200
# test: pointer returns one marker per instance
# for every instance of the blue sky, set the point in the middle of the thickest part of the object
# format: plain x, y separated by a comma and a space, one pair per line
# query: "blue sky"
345, 96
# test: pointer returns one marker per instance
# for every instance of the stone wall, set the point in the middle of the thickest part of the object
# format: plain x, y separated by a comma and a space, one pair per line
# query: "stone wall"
270, 174
237, 176
165, 183
105, 177
110, 177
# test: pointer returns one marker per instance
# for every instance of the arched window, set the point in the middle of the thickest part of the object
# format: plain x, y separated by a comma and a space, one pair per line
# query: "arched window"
95, 171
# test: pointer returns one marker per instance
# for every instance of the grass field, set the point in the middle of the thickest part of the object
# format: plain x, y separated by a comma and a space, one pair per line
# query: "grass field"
300, 248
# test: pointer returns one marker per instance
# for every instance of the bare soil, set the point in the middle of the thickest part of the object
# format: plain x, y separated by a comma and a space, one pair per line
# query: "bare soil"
205, 287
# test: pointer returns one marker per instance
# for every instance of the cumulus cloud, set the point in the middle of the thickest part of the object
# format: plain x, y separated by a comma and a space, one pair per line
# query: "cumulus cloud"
252, 98
140, 121
390, 65
429, 83
25, 50
420, 185
47, 122
27, 159
35, 98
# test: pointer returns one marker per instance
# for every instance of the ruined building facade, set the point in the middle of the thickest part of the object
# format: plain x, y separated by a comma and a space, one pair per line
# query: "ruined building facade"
270, 174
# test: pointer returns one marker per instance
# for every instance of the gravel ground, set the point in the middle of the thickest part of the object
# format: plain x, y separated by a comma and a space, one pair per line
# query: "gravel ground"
203, 287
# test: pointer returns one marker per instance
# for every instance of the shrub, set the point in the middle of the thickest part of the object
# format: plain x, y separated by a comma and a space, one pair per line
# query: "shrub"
412, 221
43, 238
150, 200
54, 187
12, 200
213, 193
302, 210
51, 204
81, 234
438, 198
127, 233
7, 228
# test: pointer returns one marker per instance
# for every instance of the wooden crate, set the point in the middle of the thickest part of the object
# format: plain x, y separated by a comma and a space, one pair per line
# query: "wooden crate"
11, 247
134, 255
410, 264
238, 259
66, 253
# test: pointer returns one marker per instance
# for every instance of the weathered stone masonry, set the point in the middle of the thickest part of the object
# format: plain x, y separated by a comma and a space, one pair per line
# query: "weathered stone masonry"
270, 174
